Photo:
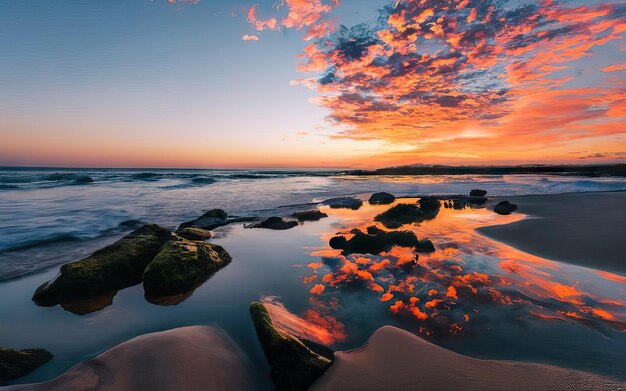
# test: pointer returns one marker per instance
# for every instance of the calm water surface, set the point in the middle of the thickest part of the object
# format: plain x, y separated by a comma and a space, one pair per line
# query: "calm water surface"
473, 295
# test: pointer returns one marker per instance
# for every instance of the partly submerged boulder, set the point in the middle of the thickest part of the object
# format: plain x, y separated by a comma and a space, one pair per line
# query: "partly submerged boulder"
17, 363
274, 222
505, 208
295, 363
180, 267
375, 241
344, 202
402, 214
112, 268
382, 198
194, 233
478, 193
210, 220
309, 215
429, 204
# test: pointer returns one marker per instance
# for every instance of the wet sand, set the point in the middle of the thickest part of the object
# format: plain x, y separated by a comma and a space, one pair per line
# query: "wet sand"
394, 359
186, 358
585, 229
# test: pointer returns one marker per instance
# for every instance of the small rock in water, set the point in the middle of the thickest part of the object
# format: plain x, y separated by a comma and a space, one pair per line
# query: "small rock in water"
338, 242
80, 179
210, 220
429, 204
344, 202
402, 214
193, 233
17, 363
382, 198
478, 193
309, 215
274, 222
375, 241
505, 208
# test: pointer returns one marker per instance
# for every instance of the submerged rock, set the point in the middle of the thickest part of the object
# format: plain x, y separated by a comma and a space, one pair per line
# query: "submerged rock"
81, 179
344, 202
276, 223
429, 204
309, 215
505, 208
295, 363
181, 266
402, 214
375, 241
17, 363
210, 220
478, 193
382, 198
112, 268
193, 233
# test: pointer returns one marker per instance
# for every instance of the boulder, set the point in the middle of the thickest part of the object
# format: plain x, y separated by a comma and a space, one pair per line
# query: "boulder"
112, 268
429, 204
180, 267
505, 208
295, 363
210, 220
402, 214
194, 233
17, 363
276, 223
309, 215
478, 193
81, 179
425, 246
375, 241
382, 198
344, 202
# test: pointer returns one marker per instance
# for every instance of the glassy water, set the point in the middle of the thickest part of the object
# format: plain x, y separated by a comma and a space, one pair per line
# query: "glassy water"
53, 216
472, 295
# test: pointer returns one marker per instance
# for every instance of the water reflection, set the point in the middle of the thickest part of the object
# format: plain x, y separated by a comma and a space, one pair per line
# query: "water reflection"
464, 280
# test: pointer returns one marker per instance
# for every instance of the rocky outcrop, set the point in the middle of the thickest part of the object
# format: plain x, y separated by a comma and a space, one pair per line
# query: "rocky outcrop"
402, 214
309, 215
344, 202
505, 208
17, 363
210, 220
193, 233
376, 241
112, 268
275, 223
295, 363
478, 193
181, 266
382, 198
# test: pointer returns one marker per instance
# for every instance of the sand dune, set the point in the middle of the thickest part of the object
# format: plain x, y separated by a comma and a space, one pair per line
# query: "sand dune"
187, 358
395, 359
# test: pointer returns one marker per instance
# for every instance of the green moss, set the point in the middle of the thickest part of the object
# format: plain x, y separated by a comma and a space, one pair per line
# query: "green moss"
182, 265
295, 364
17, 363
114, 267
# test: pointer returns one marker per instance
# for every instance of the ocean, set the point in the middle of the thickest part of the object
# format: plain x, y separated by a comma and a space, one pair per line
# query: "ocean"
50, 216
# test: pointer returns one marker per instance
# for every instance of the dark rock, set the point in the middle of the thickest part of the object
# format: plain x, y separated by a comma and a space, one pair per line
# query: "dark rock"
181, 266
276, 223
402, 214
210, 220
429, 204
476, 200
425, 246
90, 304
344, 202
17, 363
295, 363
505, 208
80, 179
376, 241
112, 268
338, 242
309, 215
382, 198
478, 193
193, 233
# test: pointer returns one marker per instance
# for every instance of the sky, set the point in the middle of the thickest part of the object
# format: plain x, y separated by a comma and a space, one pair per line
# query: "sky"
311, 83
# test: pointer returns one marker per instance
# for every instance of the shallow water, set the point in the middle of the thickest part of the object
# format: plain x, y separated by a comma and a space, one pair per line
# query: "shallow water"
50, 216
505, 303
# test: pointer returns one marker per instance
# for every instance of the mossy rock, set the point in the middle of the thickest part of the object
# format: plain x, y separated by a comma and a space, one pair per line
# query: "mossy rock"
309, 215
112, 268
194, 233
181, 266
295, 363
17, 363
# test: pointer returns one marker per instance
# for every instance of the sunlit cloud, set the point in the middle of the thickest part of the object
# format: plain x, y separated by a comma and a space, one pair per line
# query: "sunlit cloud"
249, 38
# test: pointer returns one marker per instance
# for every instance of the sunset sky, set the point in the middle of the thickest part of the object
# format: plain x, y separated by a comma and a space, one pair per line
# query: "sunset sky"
311, 83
